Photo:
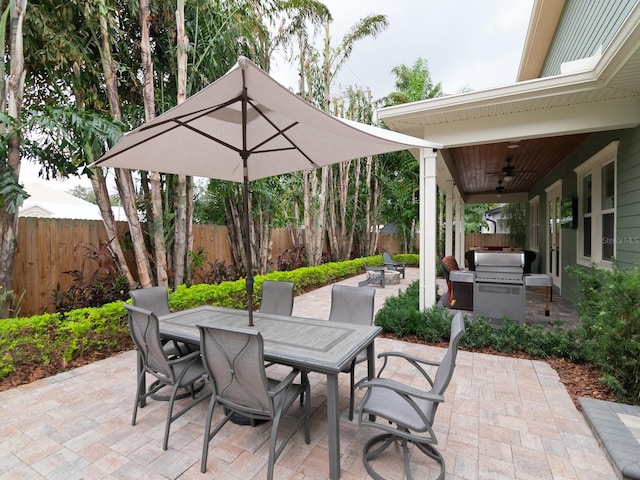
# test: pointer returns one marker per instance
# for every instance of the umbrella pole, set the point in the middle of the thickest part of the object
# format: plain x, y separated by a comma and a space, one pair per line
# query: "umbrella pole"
247, 240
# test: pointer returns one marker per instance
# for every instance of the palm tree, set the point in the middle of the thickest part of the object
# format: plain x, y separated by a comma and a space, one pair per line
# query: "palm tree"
400, 184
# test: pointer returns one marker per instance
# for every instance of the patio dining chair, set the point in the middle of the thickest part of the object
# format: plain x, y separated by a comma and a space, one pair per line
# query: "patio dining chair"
156, 300
352, 305
277, 298
407, 413
234, 360
178, 373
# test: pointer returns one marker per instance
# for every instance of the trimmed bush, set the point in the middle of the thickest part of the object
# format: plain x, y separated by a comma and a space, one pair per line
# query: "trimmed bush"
60, 338
400, 316
609, 311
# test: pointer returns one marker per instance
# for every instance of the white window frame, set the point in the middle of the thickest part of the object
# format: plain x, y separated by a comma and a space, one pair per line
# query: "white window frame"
534, 224
594, 167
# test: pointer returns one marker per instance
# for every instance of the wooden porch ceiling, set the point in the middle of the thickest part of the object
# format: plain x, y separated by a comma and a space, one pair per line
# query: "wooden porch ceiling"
477, 169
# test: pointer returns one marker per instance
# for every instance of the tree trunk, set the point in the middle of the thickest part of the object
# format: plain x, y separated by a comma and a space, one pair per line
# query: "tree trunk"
356, 203
315, 213
180, 244
113, 239
234, 227
156, 218
372, 209
180, 223
189, 228
333, 233
9, 214
124, 180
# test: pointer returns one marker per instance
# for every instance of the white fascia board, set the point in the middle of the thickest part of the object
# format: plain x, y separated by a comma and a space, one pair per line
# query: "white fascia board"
528, 90
565, 120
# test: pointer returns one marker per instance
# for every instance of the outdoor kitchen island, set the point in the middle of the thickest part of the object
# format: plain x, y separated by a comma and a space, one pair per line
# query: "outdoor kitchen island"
499, 285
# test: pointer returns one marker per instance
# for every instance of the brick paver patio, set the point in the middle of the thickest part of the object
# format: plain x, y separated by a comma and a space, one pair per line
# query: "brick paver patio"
503, 418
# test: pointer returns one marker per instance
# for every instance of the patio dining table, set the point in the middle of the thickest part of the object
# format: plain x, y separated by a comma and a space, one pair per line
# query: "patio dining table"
310, 344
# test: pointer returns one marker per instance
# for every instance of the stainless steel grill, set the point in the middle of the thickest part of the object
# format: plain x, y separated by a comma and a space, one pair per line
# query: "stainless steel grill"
498, 289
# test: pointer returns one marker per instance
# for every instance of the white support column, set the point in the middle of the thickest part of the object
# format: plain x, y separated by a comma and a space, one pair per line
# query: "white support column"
428, 202
448, 221
460, 243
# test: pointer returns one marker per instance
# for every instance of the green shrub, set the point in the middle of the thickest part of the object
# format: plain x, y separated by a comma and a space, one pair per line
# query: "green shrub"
400, 316
409, 259
59, 338
609, 311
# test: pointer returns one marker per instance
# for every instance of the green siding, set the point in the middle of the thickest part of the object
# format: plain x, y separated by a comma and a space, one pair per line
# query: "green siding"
627, 201
584, 25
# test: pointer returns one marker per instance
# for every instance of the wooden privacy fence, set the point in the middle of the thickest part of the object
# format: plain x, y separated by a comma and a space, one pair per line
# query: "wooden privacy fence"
472, 240
47, 248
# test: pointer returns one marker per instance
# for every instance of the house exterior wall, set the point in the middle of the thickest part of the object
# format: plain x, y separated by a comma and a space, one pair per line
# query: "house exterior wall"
628, 199
627, 249
584, 26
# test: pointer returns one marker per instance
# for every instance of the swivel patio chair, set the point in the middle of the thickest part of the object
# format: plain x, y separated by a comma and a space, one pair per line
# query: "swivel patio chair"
392, 265
407, 413
234, 360
179, 373
352, 305
277, 298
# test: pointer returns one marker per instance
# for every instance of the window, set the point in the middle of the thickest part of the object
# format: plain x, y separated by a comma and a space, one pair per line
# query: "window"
534, 223
597, 208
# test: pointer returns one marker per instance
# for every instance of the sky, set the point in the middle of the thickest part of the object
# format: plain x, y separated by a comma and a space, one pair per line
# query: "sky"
472, 44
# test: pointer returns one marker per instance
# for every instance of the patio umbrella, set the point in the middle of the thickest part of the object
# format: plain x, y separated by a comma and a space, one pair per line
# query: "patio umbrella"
246, 126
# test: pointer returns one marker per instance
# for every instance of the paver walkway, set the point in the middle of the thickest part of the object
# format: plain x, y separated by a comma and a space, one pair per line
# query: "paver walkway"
503, 418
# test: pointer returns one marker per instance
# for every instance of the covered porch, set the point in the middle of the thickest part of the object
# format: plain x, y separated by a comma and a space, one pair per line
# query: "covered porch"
527, 142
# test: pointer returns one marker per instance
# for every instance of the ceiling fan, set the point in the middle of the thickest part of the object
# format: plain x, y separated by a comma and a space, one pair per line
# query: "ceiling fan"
499, 189
508, 172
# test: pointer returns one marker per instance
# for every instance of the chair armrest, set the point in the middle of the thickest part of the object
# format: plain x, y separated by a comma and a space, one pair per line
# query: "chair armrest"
285, 382
401, 389
410, 358
413, 360
185, 358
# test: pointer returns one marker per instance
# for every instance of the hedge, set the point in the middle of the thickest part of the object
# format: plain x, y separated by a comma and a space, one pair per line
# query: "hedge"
59, 338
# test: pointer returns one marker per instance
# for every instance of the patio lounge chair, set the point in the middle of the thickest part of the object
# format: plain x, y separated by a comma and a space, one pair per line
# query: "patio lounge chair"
179, 373
234, 359
352, 305
410, 411
373, 275
391, 265
277, 298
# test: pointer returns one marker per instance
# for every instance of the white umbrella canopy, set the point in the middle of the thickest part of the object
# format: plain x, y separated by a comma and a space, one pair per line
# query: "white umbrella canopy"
247, 126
